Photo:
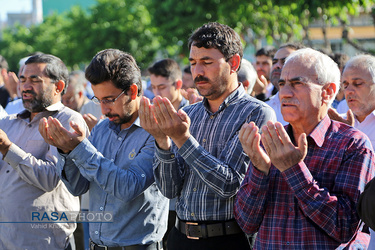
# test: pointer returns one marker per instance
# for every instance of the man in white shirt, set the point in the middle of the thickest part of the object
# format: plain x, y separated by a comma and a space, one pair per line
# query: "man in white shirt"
358, 81
277, 65
31, 189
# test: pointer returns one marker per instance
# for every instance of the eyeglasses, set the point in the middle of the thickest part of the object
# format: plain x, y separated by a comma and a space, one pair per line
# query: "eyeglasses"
106, 101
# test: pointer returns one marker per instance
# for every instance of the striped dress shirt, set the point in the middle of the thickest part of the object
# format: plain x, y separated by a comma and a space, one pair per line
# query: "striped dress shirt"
206, 172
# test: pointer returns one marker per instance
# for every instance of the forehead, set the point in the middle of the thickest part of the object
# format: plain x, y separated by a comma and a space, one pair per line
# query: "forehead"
297, 68
353, 72
159, 80
263, 58
203, 53
34, 69
283, 52
105, 89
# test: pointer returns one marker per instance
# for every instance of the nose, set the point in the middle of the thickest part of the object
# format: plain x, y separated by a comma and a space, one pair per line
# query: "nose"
197, 70
105, 108
349, 89
285, 91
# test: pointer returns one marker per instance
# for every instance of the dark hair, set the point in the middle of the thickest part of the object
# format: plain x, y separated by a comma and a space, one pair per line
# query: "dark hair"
218, 36
268, 51
294, 46
116, 66
3, 63
55, 68
340, 58
187, 69
166, 68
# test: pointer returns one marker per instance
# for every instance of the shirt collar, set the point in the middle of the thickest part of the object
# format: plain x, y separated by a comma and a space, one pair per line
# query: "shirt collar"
318, 133
233, 97
50, 109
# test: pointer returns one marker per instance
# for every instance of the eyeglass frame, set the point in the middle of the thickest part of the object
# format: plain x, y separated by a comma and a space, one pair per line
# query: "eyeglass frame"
109, 102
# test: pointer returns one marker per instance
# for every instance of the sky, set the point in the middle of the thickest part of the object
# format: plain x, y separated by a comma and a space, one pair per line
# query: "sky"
14, 6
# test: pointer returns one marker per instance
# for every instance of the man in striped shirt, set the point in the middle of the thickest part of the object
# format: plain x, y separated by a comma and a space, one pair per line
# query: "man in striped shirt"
301, 190
205, 164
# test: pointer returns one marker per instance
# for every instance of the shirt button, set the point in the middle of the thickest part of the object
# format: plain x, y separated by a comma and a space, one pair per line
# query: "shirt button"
143, 175
73, 160
96, 232
204, 140
192, 214
172, 156
119, 138
288, 243
101, 208
112, 160
211, 117
194, 189
30, 125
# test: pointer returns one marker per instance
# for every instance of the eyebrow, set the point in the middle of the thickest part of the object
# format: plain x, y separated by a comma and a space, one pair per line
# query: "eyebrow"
31, 77
296, 79
203, 58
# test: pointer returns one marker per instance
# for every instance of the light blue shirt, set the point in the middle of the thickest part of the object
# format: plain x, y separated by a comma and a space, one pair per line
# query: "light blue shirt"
116, 167
206, 172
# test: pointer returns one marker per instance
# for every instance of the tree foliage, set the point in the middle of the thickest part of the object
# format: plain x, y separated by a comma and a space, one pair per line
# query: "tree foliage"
144, 28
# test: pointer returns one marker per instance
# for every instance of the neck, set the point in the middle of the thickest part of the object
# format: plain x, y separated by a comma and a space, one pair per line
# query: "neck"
177, 102
215, 104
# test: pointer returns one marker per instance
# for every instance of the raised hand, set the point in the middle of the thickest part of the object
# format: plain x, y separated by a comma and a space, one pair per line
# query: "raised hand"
172, 123
250, 140
150, 124
280, 149
334, 115
55, 134
90, 120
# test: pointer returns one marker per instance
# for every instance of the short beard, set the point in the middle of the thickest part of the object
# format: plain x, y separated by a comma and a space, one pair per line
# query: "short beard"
38, 104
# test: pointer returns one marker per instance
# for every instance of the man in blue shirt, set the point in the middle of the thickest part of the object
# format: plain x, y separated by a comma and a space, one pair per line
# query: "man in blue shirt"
206, 164
115, 163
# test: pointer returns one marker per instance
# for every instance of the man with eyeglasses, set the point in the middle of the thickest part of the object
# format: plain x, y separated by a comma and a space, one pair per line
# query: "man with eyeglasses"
29, 183
115, 163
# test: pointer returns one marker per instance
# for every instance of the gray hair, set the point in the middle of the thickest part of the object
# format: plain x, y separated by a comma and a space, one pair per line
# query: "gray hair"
325, 68
247, 72
365, 62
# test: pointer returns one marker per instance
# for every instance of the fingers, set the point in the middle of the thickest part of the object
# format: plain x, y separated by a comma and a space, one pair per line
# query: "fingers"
77, 128
350, 117
283, 135
302, 145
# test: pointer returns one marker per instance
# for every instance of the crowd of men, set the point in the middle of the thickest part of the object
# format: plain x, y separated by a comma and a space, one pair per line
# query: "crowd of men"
224, 155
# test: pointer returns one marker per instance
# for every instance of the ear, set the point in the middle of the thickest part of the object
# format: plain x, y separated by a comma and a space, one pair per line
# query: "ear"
80, 93
178, 84
235, 62
245, 84
328, 92
60, 85
133, 91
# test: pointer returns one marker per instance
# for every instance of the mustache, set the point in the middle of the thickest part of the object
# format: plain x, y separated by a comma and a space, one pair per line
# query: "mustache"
109, 115
29, 92
201, 79
276, 71
289, 101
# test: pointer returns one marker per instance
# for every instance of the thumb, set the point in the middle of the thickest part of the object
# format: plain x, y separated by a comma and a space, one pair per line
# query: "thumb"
183, 116
350, 117
302, 145
77, 128
264, 80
